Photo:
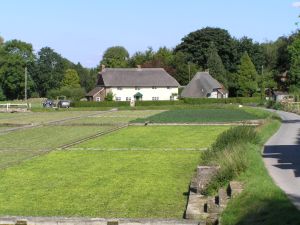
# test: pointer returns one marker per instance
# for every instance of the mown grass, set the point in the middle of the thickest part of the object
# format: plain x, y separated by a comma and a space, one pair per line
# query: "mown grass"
115, 117
130, 184
157, 137
23, 144
36, 118
203, 116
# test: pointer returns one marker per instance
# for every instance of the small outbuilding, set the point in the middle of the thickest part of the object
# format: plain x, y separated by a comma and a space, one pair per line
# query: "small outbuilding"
203, 85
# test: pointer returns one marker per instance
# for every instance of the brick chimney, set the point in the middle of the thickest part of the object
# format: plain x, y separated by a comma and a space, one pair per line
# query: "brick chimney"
102, 68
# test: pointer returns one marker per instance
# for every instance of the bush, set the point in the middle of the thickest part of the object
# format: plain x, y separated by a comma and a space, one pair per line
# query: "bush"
109, 96
229, 152
232, 161
99, 104
235, 135
271, 104
74, 94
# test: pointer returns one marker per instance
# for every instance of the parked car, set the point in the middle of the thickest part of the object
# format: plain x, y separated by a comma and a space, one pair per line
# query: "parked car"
48, 103
63, 104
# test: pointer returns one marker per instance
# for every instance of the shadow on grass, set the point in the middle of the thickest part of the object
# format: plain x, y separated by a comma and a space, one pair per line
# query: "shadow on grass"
271, 212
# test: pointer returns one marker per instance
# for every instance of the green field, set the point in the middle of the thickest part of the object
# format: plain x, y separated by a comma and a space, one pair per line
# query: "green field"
147, 183
38, 117
203, 116
157, 138
116, 117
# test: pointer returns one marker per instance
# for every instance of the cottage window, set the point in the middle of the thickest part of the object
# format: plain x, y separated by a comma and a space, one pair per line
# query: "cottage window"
168, 87
98, 99
128, 99
119, 88
137, 88
118, 98
153, 87
155, 98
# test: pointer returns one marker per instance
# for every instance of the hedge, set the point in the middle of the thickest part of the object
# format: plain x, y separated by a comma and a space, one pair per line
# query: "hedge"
189, 101
99, 104
159, 103
239, 100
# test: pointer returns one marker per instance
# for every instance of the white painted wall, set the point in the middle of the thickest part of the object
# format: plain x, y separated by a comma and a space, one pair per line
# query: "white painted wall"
163, 93
214, 94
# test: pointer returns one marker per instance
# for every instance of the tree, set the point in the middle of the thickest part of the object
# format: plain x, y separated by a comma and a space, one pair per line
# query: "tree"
247, 77
15, 55
50, 68
196, 45
71, 79
139, 58
215, 65
115, 57
254, 50
294, 73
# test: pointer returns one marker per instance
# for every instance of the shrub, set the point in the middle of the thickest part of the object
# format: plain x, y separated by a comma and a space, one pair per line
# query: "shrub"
2, 96
109, 96
71, 93
230, 153
232, 162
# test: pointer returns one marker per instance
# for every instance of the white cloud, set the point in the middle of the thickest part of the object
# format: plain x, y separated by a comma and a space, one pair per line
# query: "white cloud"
296, 4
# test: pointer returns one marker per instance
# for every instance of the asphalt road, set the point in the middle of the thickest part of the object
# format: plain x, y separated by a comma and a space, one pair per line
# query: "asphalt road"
282, 156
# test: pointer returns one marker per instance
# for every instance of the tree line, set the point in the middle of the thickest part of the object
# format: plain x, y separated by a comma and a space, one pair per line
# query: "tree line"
242, 65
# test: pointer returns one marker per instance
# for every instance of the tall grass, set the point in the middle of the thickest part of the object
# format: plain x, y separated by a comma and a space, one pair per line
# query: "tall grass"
230, 153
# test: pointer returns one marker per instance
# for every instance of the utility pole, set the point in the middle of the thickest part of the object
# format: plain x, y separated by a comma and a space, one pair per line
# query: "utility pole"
262, 83
25, 85
189, 65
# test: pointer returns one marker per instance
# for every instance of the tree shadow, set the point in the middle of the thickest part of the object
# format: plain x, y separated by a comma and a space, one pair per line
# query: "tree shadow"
271, 212
288, 157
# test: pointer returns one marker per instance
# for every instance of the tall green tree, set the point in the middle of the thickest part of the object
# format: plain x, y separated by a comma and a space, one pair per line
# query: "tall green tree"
196, 45
139, 58
247, 77
215, 65
15, 55
254, 50
71, 79
115, 57
50, 69
294, 73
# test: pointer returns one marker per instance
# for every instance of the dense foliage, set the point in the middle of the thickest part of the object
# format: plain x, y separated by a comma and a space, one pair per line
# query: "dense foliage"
245, 67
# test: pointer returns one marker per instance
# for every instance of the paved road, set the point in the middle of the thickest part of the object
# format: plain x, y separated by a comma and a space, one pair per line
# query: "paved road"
282, 156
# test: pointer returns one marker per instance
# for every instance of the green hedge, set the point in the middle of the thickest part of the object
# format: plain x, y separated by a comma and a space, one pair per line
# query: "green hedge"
239, 100
99, 104
159, 103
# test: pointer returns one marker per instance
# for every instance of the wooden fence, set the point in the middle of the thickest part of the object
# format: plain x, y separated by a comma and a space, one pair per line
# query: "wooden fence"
12, 106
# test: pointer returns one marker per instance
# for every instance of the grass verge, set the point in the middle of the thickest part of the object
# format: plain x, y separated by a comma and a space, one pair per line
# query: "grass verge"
262, 202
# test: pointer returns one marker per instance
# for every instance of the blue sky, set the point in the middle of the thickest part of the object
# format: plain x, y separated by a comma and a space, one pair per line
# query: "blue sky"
81, 30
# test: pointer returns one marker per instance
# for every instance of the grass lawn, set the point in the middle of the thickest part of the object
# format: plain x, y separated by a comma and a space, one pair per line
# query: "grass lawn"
157, 138
23, 144
115, 117
35, 118
203, 116
130, 184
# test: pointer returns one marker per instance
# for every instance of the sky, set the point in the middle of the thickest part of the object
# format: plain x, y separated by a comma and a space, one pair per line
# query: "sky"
81, 30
